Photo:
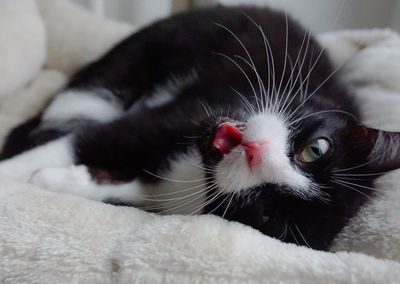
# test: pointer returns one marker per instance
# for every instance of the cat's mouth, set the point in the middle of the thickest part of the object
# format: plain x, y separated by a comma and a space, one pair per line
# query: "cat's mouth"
227, 137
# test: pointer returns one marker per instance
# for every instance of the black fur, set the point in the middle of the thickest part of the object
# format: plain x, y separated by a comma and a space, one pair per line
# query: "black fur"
149, 138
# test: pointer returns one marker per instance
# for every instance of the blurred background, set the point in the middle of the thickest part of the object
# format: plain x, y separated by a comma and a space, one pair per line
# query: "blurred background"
319, 15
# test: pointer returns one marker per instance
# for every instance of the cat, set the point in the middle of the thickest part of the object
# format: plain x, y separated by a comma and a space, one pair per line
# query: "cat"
236, 112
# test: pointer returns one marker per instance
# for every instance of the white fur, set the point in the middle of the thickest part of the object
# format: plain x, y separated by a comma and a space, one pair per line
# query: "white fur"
54, 238
77, 180
234, 174
166, 93
57, 153
82, 104
181, 191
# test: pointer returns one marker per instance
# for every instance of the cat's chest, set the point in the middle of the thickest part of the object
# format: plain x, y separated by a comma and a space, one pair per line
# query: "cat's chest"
181, 189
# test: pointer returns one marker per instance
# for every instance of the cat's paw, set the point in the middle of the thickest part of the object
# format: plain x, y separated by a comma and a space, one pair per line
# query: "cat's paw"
71, 179
15, 170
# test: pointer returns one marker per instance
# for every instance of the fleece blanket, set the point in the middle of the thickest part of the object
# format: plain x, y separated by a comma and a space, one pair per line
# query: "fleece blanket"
47, 237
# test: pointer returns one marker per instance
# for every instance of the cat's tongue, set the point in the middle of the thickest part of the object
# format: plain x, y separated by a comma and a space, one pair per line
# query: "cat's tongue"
226, 138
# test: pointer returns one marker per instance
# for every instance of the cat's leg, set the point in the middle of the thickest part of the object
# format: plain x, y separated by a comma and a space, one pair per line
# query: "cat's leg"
77, 180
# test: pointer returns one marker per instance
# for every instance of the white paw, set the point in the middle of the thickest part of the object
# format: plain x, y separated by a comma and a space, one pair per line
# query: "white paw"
16, 171
72, 179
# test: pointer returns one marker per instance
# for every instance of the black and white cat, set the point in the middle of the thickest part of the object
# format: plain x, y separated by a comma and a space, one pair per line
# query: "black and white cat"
231, 111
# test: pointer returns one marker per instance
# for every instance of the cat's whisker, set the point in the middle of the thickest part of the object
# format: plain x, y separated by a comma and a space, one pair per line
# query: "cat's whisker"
284, 232
292, 79
286, 52
209, 201
150, 197
244, 73
287, 103
177, 181
220, 204
260, 82
301, 235
270, 64
294, 236
244, 48
229, 203
272, 73
183, 203
245, 102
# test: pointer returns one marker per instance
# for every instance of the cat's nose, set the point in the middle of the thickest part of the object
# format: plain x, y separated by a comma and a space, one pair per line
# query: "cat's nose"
255, 152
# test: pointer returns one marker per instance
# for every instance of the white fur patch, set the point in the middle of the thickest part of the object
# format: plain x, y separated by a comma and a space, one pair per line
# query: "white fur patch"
234, 174
76, 180
82, 104
166, 93
181, 190
58, 153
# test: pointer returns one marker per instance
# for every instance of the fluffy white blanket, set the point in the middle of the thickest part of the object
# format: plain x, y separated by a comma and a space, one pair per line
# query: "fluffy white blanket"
53, 238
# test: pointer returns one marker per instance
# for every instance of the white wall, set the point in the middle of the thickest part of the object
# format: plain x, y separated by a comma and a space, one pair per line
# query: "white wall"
319, 15
325, 15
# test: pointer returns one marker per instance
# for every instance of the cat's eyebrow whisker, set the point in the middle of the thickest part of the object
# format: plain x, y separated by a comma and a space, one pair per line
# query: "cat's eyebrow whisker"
316, 61
320, 112
352, 188
319, 87
359, 185
362, 175
356, 167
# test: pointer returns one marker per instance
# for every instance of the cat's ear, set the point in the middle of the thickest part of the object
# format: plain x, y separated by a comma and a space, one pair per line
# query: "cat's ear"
381, 148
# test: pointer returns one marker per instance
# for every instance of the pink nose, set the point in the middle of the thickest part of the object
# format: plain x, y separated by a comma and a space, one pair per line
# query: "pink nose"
254, 152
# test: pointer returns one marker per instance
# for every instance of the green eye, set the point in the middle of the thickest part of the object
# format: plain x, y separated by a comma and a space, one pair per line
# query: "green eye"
315, 151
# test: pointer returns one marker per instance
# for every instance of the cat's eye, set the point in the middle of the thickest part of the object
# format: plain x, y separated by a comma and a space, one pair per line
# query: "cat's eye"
314, 151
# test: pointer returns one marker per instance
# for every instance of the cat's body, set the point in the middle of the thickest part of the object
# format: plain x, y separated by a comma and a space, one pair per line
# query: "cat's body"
231, 111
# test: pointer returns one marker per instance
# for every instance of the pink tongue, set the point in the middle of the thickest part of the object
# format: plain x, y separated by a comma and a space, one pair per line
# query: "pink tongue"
227, 138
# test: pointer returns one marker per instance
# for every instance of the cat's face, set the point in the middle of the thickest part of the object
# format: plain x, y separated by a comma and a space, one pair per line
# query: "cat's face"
297, 179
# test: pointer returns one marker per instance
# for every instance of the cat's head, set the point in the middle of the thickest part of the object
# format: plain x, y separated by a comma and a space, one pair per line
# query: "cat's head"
296, 178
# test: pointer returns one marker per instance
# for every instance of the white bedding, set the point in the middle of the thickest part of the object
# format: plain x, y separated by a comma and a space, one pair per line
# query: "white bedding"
53, 238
